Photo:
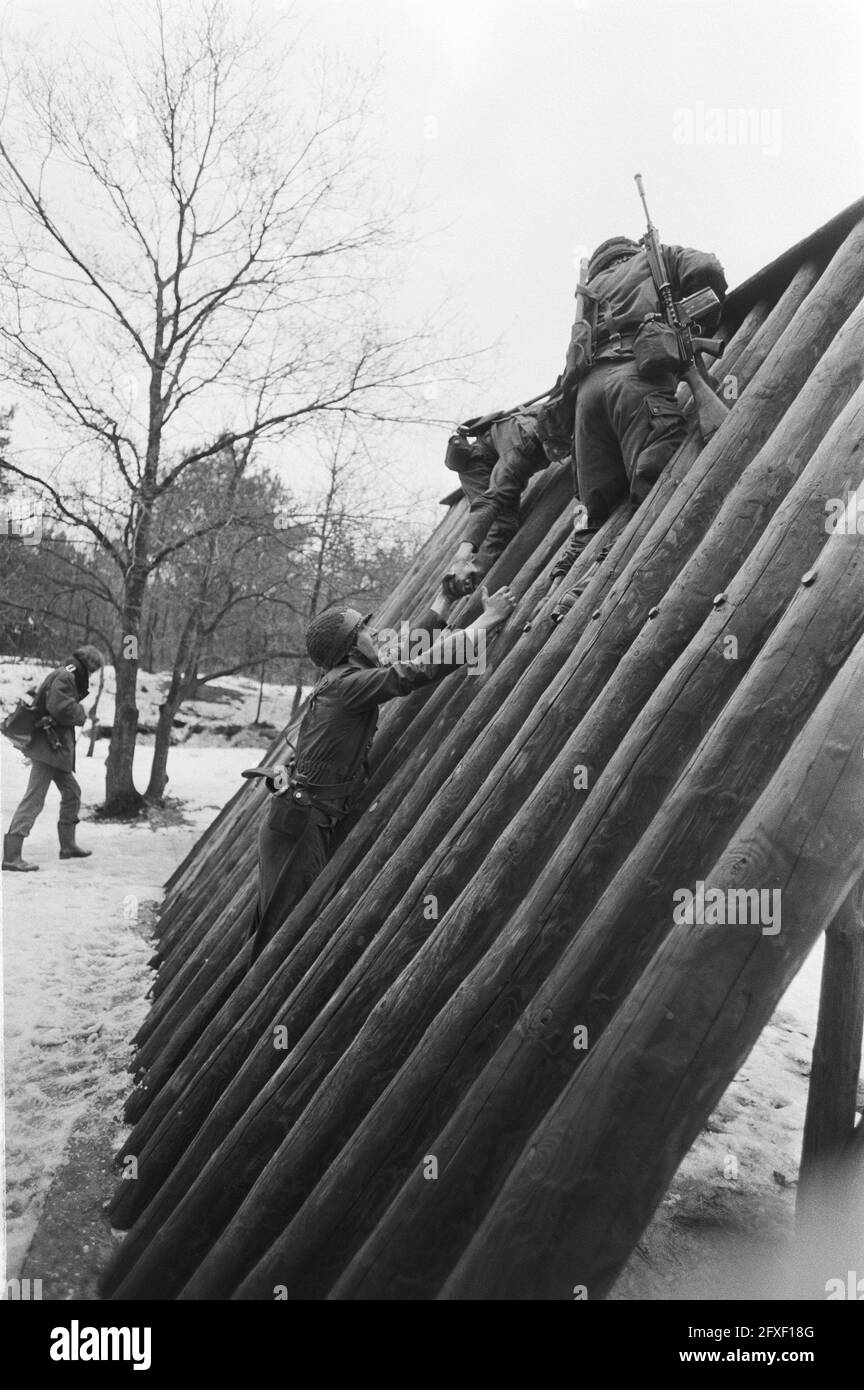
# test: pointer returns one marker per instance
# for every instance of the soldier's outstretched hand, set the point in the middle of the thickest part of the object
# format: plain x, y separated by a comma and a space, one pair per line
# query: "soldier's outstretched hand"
498, 608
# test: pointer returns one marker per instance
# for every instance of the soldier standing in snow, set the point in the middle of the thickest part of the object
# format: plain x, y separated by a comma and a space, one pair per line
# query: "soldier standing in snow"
52, 755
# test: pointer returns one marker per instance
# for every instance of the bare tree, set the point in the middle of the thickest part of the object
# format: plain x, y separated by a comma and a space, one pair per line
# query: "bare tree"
360, 534
185, 245
243, 562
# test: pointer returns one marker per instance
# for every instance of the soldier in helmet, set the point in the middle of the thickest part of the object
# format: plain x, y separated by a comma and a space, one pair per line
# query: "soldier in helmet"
495, 461
628, 424
52, 756
330, 767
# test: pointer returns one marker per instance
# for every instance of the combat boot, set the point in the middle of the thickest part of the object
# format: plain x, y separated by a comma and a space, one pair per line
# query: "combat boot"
12, 846
68, 847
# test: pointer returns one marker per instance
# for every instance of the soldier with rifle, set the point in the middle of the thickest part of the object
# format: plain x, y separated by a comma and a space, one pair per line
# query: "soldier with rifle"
640, 315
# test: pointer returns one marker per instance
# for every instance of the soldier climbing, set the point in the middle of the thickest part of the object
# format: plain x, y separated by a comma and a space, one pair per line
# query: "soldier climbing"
641, 310
312, 793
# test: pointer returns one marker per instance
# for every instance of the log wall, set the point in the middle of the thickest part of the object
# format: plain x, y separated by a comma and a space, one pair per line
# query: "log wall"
389, 1103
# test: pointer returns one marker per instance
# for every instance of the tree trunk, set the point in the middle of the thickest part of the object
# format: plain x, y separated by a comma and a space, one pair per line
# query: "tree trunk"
183, 683
159, 766
121, 796
94, 726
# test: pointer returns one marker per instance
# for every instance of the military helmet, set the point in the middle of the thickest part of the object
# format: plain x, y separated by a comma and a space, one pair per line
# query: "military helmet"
329, 636
609, 251
90, 655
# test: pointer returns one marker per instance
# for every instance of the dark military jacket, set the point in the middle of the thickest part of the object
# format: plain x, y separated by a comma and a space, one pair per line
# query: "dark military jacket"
59, 696
337, 730
628, 289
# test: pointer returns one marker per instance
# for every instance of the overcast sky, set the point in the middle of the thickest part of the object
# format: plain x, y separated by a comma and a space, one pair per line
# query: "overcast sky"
527, 121
520, 126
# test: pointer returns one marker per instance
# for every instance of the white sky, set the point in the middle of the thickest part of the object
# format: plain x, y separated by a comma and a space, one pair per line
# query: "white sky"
546, 110
521, 126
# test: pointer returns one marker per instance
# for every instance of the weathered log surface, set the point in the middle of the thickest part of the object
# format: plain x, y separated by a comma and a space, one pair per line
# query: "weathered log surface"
510, 718
593, 1172
356, 1071
635, 784
411, 1032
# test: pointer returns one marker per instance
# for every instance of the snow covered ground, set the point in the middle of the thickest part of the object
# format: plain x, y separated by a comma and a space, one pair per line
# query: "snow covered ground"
74, 957
226, 715
74, 960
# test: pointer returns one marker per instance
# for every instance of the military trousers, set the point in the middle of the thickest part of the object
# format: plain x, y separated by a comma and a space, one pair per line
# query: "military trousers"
33, 800
293, 847
627, 429
494, 486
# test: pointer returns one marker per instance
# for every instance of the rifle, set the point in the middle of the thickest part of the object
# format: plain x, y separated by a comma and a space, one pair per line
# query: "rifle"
710, 410
480, 423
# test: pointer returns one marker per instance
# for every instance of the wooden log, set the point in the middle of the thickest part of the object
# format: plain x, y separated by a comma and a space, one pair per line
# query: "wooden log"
236, 886
317, 898
778, 319
834, 1077
466, 1032
417, 576
314, 920
483, 1005
749, 326
550, 500
551, 496
214, 981
592, 1173
823, 311
604, 956
395, 1022
200, 902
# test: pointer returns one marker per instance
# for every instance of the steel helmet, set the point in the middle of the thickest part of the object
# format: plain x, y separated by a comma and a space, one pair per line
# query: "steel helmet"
609, 251
330, 636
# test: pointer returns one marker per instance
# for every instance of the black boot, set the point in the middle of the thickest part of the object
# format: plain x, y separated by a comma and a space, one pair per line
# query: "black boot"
68, 847
12, 846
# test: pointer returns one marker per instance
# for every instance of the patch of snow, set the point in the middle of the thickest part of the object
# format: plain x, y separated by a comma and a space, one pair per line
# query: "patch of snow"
74, 960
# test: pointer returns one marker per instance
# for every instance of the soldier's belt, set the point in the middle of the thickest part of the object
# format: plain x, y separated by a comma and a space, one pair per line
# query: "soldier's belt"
296, 783
621, 342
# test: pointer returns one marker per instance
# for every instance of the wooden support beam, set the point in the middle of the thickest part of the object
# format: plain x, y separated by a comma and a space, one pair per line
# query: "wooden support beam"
834, 1077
